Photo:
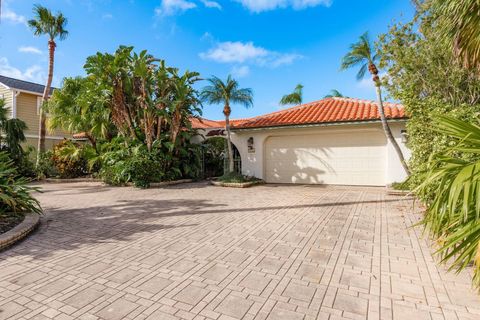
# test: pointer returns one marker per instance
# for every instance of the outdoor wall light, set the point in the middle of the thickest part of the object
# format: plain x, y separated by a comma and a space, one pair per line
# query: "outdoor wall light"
404, 136
251, 145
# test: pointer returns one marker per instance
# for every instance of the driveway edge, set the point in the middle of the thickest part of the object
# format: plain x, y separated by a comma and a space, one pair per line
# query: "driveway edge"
29, 223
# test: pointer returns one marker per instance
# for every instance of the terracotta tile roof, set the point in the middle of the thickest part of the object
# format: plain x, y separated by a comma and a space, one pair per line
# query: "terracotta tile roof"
202, 123
80, 135
328, 110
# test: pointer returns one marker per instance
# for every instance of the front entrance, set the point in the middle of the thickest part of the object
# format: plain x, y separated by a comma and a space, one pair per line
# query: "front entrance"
215, 161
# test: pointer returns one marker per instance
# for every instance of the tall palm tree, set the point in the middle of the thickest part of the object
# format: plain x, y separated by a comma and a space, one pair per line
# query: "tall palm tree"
362, 54
460, 23
296, 97
226, 93
46, 23
334, 94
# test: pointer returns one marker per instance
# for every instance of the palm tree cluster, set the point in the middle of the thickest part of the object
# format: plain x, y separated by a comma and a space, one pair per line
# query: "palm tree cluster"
133, 95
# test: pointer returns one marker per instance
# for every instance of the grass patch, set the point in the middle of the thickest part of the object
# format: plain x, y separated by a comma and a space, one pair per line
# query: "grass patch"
401, 186
234, 177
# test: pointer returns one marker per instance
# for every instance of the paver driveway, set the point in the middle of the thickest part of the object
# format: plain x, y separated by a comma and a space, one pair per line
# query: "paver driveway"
200, 252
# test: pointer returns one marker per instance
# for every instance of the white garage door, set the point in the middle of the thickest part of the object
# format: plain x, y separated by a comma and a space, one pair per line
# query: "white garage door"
353, 158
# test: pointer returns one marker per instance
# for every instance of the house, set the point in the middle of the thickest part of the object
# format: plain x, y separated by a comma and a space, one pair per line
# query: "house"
23, 99
330, 141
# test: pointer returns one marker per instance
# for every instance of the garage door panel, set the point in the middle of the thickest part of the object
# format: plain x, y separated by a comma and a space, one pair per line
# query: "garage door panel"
352, 159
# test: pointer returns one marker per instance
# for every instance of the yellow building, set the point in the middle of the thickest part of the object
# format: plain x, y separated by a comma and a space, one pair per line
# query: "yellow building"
23, 99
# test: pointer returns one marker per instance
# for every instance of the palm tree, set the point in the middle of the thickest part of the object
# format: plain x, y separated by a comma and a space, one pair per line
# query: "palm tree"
46, 23
226, 93
296, 97
80, 106
460, 23
362, 54
334, 94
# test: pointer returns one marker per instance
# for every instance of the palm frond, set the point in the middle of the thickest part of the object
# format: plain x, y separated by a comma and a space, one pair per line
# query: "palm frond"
361, 54
296, 97
453, 216
334, 94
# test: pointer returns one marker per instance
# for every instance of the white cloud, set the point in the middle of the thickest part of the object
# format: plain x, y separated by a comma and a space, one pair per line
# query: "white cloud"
240, 71
247, 52
279, 59
266, 5
28, 49
107, 16
226, 52
211, 4
171, 7
34, 73
13, 17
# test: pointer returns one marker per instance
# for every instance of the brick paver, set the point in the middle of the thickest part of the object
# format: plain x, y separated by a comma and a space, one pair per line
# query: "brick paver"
196, 251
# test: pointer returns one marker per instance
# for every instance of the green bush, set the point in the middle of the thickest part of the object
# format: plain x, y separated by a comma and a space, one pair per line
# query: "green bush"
234, 177
123, 161
45, 167
415, 60
14, 191
68, 159
143, 170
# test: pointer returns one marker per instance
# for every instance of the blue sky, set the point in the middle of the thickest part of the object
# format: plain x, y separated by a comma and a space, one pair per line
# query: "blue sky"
268, 45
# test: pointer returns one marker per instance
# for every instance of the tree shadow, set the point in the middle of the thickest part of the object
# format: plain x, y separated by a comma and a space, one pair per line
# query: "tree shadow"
326, 161
126, 220
69, 229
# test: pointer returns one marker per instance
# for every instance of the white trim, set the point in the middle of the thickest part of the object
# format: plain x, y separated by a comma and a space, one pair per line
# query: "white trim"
4, 85
46, 137
31, 92
15, 94
39, 104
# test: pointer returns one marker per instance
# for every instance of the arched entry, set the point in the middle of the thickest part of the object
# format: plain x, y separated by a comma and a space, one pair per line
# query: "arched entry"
215, 161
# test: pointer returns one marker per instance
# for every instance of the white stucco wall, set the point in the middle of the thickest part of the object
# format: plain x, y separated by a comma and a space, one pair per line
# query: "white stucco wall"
253, 164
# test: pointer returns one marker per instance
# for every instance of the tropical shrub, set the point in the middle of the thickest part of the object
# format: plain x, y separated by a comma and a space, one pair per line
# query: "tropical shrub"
136, 114
234, 177
14, 192
45, 168
424, 76
68, 159
453, 177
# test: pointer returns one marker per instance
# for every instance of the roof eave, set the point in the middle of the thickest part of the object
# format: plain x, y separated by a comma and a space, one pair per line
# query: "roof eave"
321, 124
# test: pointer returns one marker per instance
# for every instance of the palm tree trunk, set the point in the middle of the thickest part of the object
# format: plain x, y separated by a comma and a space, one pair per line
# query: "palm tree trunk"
46, 95
231, 166
92, 141
386, 128
159, 127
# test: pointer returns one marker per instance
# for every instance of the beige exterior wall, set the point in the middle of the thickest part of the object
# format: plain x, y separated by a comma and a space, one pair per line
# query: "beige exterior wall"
49, 143
27, 110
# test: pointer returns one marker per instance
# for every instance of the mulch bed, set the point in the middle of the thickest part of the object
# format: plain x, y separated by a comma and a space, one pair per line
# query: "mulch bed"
9, 220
